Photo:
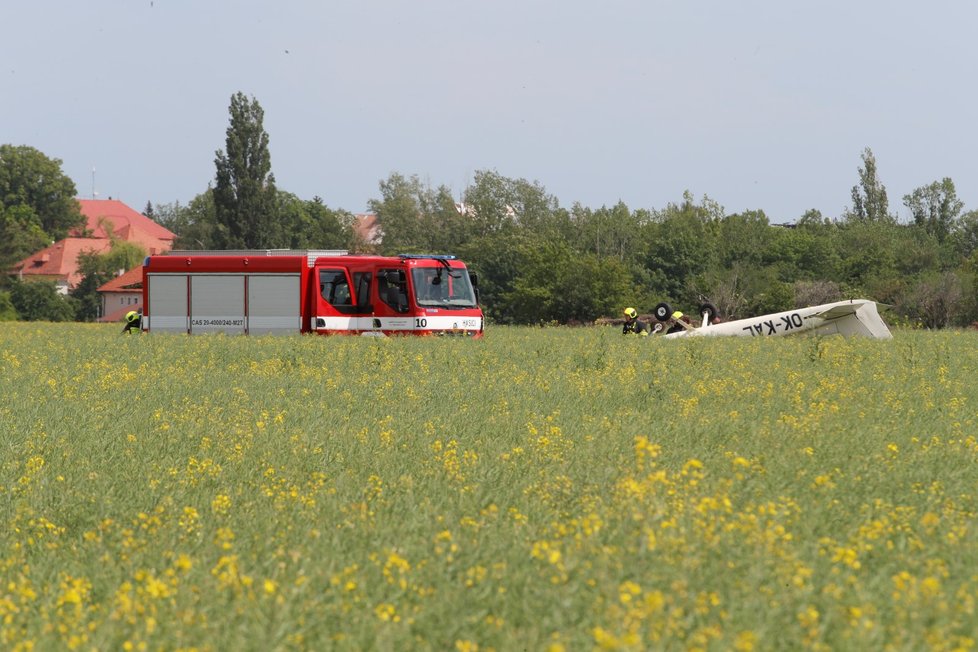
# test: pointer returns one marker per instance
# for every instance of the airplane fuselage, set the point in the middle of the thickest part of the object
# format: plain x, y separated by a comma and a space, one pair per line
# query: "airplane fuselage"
852, 317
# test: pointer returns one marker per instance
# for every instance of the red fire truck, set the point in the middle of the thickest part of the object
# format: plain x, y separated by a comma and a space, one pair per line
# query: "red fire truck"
327, 292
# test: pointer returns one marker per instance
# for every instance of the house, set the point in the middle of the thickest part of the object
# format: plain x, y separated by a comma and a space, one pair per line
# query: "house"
110, 218
59, 262
367, 231
106, 220
120, 295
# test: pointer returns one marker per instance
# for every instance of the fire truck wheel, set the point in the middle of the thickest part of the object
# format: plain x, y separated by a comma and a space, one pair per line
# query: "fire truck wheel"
710, 310
662, 311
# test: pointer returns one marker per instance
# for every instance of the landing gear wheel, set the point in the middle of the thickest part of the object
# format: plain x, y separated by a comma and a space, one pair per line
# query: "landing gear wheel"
662, 311
710, 310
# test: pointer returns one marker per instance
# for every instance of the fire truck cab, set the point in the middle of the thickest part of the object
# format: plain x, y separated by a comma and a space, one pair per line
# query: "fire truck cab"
325, 292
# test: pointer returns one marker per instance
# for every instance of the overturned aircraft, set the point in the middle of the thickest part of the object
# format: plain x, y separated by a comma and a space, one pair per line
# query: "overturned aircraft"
851, 317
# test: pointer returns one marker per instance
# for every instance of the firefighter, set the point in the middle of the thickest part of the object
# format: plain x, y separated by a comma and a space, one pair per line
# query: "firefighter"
133, 322
634, 325
675, 320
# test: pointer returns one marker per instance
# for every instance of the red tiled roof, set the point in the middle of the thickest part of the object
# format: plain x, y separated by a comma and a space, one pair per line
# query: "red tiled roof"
60, 260
131, 280
366, 226
105, 218
105, 215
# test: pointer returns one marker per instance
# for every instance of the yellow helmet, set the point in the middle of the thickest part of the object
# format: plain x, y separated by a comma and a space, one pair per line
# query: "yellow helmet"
631, 312
132, 316
677, 315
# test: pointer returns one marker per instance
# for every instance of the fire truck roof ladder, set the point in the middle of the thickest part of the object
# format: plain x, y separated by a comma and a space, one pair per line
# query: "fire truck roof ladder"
310, 254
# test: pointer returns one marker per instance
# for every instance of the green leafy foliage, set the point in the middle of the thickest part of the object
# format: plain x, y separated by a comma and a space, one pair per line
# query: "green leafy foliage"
245, 199
98, 269
37, 202
415, 217
682, 243
7, 310
869, 200
40, 301
194, 223
935, 207
539, 262
29, 178
20, 234
555, 283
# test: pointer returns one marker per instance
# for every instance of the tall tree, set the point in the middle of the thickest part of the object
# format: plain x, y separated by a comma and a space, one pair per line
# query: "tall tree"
743, 238
315, 225
556, 283
966, 234
452, 227
403, 214
20, 234
681, 243
496, 202
416, 217
245, 198
869, 202
29, 178
497, 259
37, 202
813, 218
606, 231
936, 207
194, 223
804, 253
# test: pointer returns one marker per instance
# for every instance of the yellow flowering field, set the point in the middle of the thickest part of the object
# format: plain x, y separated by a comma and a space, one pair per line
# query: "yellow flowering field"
541, 489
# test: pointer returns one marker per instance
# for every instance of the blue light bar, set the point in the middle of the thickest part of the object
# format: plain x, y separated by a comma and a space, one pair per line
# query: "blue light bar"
429, 256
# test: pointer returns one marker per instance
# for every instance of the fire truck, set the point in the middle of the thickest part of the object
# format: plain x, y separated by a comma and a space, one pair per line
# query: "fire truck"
326, 292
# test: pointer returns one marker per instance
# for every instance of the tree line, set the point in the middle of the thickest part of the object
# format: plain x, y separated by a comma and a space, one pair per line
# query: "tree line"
539, 262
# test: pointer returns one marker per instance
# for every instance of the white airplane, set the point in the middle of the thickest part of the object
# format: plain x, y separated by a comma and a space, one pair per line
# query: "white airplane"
851, 317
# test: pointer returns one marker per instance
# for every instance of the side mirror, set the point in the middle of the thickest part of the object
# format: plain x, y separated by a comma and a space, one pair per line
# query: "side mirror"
475, 280
395, 276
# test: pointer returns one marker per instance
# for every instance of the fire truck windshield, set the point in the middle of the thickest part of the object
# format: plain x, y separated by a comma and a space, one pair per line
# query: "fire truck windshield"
442, 287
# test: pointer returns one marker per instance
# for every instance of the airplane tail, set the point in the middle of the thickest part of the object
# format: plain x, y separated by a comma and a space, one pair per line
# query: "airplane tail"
856, 317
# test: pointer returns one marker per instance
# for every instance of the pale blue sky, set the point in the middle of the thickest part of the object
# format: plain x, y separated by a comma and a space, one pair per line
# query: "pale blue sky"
758, 104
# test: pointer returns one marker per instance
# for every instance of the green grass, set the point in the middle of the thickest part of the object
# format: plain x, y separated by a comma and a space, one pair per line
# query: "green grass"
541, 488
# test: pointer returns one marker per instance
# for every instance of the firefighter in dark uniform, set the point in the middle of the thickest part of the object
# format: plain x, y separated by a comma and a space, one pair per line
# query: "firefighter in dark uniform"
633, 325
674, 322
133, 322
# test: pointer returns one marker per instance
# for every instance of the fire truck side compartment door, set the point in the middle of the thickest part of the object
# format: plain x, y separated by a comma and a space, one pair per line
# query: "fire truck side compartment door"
167, 308
217, 303
273, 304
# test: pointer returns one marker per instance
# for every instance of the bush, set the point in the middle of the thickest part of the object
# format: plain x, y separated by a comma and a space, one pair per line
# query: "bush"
40, 301
7, 310
814, 293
